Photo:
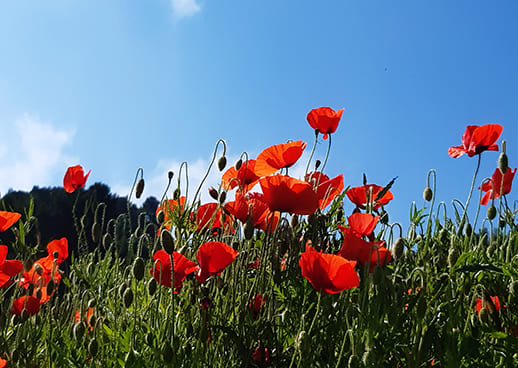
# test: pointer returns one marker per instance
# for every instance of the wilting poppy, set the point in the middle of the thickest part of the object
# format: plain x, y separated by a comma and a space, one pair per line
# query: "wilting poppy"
355, 248
327, 189
213, 258
261, 355
162, 269
251, 206
29, 303
481, 303
477, 139
362, 224
495, 188
285, 194
328, 273
244, 178
255, 305
278, 157
74, 178
8, 268
358, 195
7, 219
324, 119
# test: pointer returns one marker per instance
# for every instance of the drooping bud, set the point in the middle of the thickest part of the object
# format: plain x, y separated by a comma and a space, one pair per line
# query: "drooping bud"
127, 298
93, 347
503, 162
107, 240
468, 229
170, 175
398, 247
222, 197
491, 212
317, 164
384, 217
160, 217
138, 268
96, 232
222, 162
213, 193
151, 286
167, 241
140, 188
78, 331
427, 194
248, 229
238, 164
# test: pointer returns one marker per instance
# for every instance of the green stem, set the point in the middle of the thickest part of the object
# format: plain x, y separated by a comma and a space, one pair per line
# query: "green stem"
463, 219
311, 154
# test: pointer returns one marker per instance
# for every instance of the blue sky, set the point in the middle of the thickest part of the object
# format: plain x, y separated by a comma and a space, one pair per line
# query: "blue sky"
119, 85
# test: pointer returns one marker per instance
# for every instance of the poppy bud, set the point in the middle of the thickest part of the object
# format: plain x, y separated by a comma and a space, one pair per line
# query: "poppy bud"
317, 164
468, 230
140, 188
55, 254
38, 293
38, 269
503, 162
248, 229
176, 194
151, 286
93, 347
398, 247
222, 162
138, 269
491, 212
294, 221
238, 164
122, 289
170, 175
213, 193
354, 362
384, 217
427, 194
484, 316
501, 222
127, 297
167, 241
78, 331
222, 197
453, 255
377, 275
107, 240
96, 232
92, 303
167, 353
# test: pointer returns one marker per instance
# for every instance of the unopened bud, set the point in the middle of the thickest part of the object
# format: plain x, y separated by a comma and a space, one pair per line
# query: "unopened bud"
138, 268
93, 347
38, 269
222, 197
213, 193
55, 254
167, 241
96, 232
160, 217
170, 175
151, 286
78, 331
398, 247
176, 194
222, 162
503, 162
468, 229
238, 164
294, 221
51, 286
491, 212
248, 229
317, 164
140, 188
127, 298
427, 194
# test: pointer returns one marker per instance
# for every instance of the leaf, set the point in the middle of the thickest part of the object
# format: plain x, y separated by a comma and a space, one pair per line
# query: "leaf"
498, 334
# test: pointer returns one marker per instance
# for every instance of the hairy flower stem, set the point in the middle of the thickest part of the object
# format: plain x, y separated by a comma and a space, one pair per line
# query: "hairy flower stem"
311, 154
210, 166
464, 214
141, 172
429, 222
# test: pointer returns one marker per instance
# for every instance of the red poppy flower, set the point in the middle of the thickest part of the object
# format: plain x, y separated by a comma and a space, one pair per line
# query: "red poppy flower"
480, 304
358, 195
88, 317
362, 224
324, 119
213, 258
7, 219
255, 305
162, 269
261, 355
278, 157
252, 206
285, 194
328, 273
29, 303
8, 268
3, 363
245, 177
357, 249
477, 139
74, 178
327, 189
496, 187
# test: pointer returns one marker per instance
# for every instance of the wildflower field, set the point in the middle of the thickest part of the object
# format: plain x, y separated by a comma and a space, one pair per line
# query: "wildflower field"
272, 272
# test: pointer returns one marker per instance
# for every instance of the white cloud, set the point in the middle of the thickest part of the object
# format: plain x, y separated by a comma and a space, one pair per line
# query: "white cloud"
32, 154
185, 8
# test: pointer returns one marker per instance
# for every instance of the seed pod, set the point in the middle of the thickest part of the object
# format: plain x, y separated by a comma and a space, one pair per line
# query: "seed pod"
427, 194
138, 268
167, 241
151, 286
93, 347
491, 212
213, 193
96, 232
238, 164
140, 188
503, 162
222, 162
127, 297
398, 247
78, 331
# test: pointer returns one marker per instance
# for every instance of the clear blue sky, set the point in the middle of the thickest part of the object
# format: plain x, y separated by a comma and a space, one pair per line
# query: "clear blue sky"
117, 85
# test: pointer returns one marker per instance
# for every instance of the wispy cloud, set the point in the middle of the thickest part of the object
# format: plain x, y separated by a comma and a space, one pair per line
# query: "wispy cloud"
185, 8
32, 154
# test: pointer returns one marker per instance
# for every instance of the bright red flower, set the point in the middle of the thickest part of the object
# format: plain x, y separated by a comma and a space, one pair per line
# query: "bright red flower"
496, 187
278, 157
88, 317
358, 195
477, 139
327, 189
8, 268
74, 178
362, 224
29, 303
285, 194
162, 269
210, 216
480, 303
213, 257
253, 206
245, 177
357, 249
7, 219
328, 273
324, 119
3, 363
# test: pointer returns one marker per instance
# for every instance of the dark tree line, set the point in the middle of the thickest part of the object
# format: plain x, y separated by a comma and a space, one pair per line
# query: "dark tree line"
54, 213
